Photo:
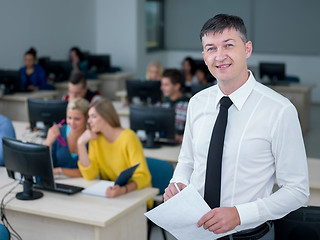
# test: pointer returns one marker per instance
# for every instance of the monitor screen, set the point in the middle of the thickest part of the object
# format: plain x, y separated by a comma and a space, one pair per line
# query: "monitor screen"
153, 119
303, 223
47, 111
32, 161
272, 71
58, 71
143, 91
11, 81
98, 63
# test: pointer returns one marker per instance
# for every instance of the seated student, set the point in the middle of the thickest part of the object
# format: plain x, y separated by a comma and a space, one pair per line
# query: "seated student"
6, 130
77, 87
154, 71
112, 149
172, 84
201, 74
33, 76
189, 70
64, 152
78, 62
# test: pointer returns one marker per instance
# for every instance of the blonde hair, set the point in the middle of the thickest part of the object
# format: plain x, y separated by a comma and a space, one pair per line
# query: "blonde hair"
156, 64
80, 104
105, 109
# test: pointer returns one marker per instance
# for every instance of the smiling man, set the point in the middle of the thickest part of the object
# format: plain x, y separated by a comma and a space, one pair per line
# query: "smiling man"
262, 142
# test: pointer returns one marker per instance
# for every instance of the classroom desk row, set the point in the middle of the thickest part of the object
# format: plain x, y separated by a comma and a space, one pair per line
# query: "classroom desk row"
14, 106
78, 216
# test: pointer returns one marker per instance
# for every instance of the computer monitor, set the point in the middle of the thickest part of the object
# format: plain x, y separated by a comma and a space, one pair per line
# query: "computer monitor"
31, 163
11, 80
153, 119
273, 71
303, 223
48, 111
144, 91
99, 63
58, 71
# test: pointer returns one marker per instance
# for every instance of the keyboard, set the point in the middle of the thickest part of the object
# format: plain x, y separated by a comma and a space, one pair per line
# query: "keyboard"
62, 188
68, 189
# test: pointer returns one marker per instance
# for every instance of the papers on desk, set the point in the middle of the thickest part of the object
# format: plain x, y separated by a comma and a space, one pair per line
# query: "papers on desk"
99, 189
180, 214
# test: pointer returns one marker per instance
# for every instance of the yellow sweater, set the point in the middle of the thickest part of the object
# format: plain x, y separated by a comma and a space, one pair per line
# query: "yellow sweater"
110, 159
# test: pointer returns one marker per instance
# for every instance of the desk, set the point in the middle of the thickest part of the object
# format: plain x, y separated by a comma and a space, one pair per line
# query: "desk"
79, 216
62, 87
314, 181
112, 82
14, 106
300, 96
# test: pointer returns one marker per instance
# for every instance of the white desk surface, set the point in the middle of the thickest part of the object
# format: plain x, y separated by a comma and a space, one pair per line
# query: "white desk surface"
22, 97
80, 208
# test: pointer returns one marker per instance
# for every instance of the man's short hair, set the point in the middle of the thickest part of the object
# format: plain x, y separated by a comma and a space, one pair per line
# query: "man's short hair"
77, 78
220, 22
175, 77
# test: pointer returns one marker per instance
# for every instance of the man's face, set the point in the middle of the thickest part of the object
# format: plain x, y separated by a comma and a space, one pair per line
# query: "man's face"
225, 55
76, 90
168, 88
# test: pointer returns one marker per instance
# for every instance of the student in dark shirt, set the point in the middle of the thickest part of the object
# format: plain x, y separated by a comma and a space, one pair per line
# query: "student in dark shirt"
33, 76
172, 84
77, 87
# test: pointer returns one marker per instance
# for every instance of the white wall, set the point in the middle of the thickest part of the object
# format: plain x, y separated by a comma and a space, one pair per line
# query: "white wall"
117, 32
52, 27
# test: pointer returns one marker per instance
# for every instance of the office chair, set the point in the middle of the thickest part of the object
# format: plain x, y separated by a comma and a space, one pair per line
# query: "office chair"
161, 173
4, 233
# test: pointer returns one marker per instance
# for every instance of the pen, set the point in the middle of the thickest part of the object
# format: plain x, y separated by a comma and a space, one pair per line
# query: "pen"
60, 139
61, 122
176, 185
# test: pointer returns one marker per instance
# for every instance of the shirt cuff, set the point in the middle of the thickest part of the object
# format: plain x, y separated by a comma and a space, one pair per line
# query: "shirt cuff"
248, 213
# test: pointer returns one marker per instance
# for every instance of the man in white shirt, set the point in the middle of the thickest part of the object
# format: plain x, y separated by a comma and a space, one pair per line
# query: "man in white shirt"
263, 141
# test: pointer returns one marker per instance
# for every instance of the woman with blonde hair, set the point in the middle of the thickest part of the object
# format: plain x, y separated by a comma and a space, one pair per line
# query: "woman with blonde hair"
154, 71
62, 139
112, 149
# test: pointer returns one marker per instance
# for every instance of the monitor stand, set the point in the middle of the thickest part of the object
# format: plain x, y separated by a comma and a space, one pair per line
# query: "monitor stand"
28, 192
150, 141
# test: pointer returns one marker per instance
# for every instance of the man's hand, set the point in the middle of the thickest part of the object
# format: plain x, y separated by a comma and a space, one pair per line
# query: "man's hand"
220, 220
171, 190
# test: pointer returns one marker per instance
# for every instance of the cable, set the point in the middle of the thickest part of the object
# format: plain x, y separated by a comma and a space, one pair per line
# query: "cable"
4, 219
8, 184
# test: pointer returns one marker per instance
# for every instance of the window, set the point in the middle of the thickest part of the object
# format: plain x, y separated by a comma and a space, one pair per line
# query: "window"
154, 24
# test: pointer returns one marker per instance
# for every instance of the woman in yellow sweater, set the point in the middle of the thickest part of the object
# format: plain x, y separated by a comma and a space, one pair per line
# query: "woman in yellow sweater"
112, 149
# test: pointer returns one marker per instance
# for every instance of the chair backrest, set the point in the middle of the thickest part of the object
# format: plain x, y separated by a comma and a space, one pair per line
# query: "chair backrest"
4, 233
161, 172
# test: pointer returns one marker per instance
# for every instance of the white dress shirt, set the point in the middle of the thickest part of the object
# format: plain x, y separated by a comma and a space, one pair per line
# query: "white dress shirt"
263, 142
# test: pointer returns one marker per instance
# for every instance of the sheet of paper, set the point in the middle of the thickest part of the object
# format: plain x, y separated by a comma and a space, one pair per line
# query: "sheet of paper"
180, 214
98, 189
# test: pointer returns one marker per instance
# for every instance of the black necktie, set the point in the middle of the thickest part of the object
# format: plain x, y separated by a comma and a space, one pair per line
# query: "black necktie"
214, 160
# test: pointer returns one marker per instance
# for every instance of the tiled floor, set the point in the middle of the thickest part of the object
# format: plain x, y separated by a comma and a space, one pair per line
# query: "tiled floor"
312, 143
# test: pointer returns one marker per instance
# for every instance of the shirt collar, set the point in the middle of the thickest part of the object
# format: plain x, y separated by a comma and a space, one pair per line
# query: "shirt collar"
239, 96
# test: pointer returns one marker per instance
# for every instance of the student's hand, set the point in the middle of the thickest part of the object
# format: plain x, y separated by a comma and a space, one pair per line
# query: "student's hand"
114, 191
86, 136
52, 135
171, 190
32, 88
220, 220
